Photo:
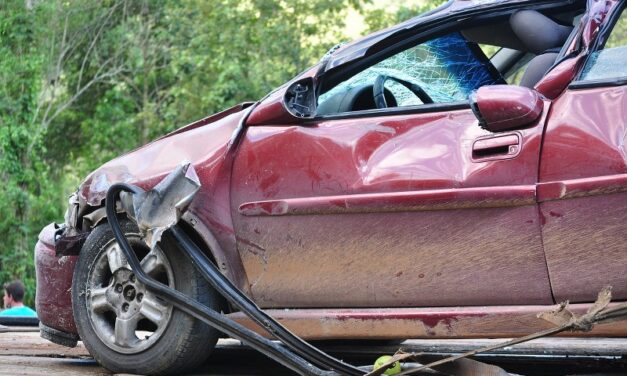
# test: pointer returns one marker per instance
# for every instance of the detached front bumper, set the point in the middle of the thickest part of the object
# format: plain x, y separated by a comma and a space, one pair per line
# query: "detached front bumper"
54, 283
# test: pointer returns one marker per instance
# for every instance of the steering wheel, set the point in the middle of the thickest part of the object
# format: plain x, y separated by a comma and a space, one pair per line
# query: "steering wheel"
379, 90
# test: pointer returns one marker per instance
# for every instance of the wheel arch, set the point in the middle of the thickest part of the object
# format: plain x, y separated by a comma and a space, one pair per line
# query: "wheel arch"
229, 265
201, 235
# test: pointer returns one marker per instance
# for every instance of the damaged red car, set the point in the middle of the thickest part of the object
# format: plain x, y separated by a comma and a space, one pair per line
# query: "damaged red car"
409, 185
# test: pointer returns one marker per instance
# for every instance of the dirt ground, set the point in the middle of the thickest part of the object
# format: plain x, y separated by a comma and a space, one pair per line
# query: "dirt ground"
26, 354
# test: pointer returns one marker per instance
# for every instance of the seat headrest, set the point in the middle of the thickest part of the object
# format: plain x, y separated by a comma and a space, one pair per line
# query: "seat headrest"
538, 32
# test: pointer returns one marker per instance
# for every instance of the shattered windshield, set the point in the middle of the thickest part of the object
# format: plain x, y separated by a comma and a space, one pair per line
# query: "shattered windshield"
447, 68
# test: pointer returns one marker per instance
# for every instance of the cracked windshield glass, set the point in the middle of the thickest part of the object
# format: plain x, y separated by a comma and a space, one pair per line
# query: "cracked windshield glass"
447, 68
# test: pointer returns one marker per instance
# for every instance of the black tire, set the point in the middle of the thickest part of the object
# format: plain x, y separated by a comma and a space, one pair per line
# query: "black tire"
182, 343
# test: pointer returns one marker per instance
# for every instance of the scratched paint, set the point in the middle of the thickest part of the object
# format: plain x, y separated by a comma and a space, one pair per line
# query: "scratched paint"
403, 323
353, 190
584, 168
585, 243
53, 299
586, 135
205, 143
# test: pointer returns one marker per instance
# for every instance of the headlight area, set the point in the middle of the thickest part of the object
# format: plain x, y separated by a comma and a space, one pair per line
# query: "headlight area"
70, 236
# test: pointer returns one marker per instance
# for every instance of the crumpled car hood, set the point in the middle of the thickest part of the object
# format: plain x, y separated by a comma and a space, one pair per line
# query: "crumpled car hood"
202, 143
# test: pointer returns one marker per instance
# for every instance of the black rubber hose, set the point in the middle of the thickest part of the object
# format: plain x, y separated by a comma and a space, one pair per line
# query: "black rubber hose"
224, 286
201, 312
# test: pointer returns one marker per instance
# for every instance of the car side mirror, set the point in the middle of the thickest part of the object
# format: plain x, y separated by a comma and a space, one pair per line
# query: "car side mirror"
300, 99
293, 104
506, 107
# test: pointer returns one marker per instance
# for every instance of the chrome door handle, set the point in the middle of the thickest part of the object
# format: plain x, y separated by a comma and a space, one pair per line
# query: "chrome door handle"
496, 147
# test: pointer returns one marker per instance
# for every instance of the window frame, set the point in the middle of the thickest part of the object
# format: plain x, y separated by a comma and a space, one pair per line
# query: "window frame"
598, 45
474, 49
421, 35
353, 69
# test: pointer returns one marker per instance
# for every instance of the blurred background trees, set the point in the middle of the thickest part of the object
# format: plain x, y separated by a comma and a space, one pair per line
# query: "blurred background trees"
82, 81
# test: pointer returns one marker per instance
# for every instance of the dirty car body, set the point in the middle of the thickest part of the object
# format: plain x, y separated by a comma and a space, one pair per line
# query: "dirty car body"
369, 198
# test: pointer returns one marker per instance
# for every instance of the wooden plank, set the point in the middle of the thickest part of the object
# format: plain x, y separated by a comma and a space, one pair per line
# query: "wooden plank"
34, 366
27, 354
542, 346
598, 347
31, 344
18, 343
12, 329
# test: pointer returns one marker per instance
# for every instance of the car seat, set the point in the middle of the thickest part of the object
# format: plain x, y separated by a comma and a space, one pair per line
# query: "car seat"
541, 36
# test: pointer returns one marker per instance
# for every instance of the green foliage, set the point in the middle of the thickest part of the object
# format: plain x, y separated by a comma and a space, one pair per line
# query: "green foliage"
380, 18
259, 45
618, 36
26, 189
82, 81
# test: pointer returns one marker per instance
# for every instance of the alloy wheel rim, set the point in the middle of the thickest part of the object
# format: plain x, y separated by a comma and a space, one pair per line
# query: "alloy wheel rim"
125, 316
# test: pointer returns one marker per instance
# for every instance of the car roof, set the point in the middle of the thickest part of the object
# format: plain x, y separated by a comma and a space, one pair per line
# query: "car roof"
361, 47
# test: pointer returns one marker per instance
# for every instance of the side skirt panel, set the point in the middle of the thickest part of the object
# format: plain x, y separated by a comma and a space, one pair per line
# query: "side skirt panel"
404, 323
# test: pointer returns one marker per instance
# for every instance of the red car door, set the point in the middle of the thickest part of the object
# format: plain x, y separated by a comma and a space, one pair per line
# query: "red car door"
584, 174
414, 205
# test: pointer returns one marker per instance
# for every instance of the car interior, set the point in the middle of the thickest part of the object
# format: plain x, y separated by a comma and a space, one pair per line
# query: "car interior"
530, 38
517, 50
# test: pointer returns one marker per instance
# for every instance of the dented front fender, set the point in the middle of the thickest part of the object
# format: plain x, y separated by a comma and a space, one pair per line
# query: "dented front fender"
53, 300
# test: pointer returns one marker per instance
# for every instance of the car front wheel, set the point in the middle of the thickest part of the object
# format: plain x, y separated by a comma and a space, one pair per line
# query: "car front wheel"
124, 326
